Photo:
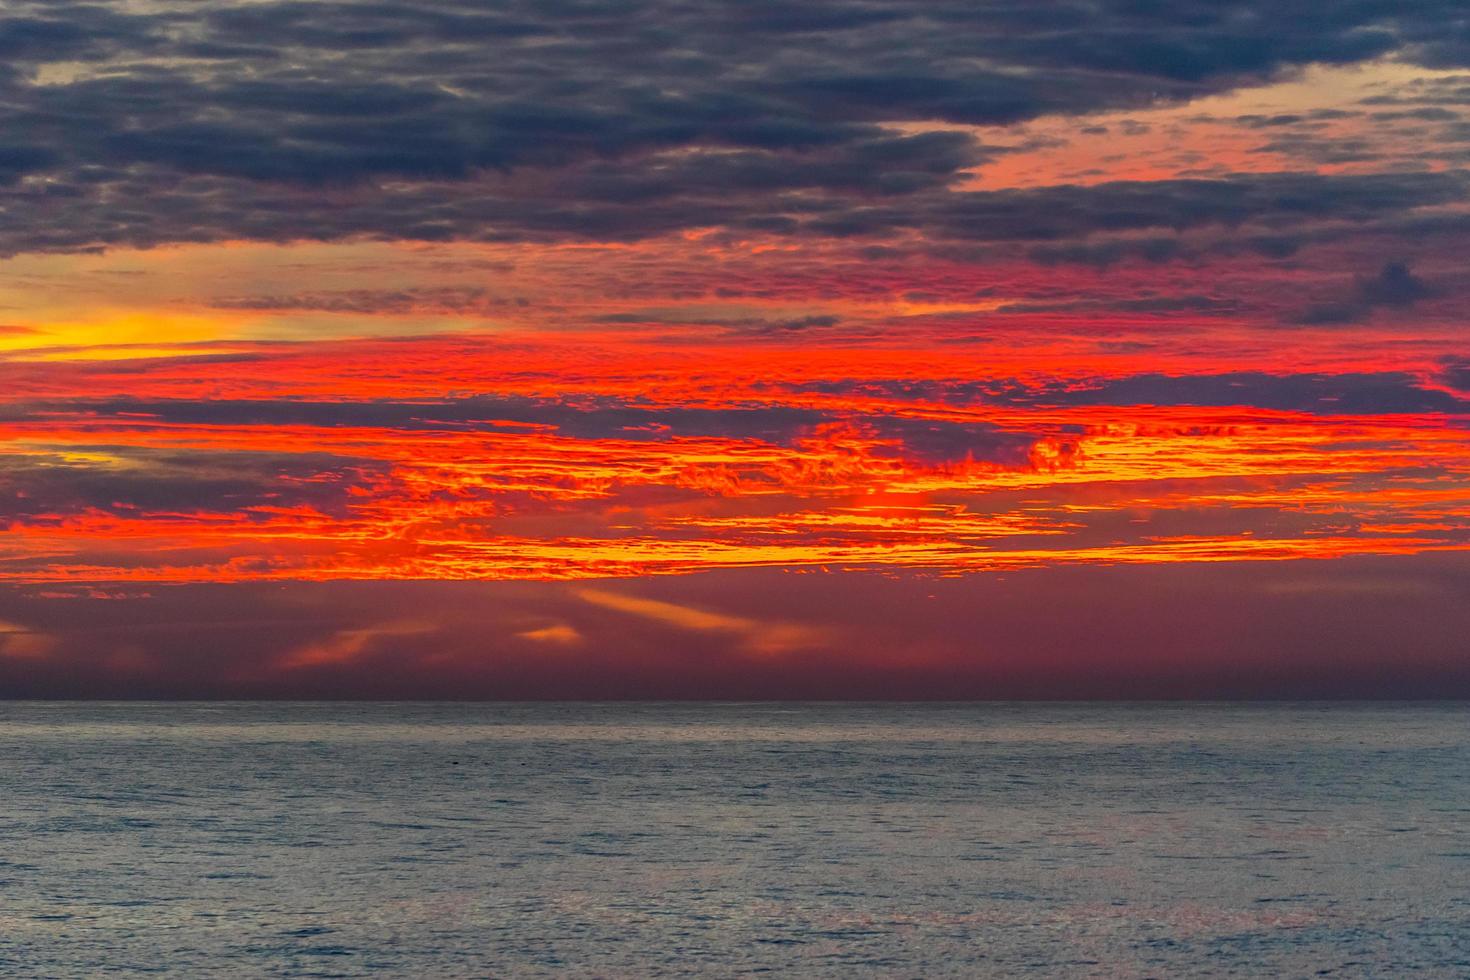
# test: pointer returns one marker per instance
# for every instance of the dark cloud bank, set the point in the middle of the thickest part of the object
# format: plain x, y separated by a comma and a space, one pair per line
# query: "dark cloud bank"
175, 122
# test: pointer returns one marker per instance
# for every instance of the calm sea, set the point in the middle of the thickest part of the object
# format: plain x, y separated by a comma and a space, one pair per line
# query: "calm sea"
648, 840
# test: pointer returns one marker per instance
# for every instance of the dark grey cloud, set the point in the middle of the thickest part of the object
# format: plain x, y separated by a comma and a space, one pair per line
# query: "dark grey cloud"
590, 417
1456, 374
1442, 45
1420, 114
1152, 248
1440, 90
735, 325
130, 124
17, 161
1384, 393
1380, 393
1262, 200
138, 482
1324, 150
1393, 285
1271, 214
1193, 305
939, 442
467, 300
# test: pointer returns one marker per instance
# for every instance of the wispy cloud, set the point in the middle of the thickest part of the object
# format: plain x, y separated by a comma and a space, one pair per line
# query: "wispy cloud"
554, 634
23, 643
753, 635
348, 645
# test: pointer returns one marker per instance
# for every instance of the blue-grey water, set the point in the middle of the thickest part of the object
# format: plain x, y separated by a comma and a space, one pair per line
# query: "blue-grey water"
647, 840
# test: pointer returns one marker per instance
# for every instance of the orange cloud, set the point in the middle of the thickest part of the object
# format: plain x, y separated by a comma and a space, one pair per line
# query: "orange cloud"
556, 634
23, 643
346, 646
754, 635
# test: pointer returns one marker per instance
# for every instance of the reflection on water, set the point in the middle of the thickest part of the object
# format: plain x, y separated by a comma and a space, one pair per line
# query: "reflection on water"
662, 840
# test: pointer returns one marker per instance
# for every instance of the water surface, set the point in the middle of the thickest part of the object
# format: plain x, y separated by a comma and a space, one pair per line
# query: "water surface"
647, 840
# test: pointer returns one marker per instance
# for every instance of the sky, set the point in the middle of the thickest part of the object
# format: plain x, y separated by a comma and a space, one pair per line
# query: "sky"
670, 348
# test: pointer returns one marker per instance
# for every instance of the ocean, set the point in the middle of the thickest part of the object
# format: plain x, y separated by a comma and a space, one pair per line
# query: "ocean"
724, 840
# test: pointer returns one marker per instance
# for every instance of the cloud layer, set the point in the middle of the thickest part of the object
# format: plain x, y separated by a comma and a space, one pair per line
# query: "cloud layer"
137, 125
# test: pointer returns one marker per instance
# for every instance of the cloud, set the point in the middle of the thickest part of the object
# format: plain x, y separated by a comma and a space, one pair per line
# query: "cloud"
348, 645
23, 643
461, 300
556, 634
937, 442
237, 478
1394, 285
1386, 393
590, 417
1456, 373
42, 485
756, 636
1068, 211
735, 325
1348, 393
1193, 305
620, 119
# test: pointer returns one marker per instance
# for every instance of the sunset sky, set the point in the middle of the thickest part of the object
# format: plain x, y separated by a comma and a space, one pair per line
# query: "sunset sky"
862, 348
